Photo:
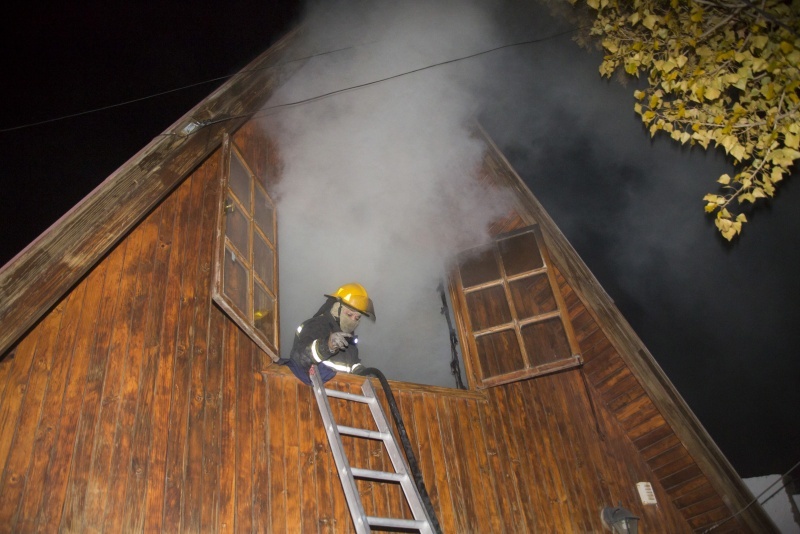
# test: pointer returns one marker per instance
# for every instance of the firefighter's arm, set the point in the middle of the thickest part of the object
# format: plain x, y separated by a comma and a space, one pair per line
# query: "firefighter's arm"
312, 342
346, 361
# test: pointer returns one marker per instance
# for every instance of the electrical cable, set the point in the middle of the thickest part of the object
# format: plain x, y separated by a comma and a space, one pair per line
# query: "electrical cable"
304, 101
168, 91
319, 97
110, 106
755, 499
261, 113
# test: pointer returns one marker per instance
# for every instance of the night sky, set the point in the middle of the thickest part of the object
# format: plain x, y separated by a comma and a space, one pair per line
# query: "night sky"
721, 319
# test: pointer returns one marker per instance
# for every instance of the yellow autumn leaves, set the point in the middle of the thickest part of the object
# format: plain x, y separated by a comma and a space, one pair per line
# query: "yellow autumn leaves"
723, 74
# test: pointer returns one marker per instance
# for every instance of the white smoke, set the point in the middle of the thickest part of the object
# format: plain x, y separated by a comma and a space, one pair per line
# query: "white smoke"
379, 184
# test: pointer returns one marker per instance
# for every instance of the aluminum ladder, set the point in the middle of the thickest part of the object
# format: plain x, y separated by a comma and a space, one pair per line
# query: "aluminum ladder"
348, 474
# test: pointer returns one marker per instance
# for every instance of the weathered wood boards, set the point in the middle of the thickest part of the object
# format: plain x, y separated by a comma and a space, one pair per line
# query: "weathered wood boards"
630, 383
136, 404
147, 412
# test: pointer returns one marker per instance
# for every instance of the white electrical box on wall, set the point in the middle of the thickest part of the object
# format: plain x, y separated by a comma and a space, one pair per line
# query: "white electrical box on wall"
646, 493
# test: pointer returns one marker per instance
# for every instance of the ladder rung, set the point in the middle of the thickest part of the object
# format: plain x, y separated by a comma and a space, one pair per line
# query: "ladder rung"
347, 396
378, 475
348, 474
392, 522
361, 432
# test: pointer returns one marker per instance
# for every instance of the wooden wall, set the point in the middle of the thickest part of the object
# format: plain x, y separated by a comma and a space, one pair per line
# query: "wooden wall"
127, 409
103, 430
136, 405
686, 467
614, 387
104, 402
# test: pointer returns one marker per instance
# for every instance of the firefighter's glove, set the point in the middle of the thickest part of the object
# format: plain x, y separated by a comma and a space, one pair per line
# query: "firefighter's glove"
338, 341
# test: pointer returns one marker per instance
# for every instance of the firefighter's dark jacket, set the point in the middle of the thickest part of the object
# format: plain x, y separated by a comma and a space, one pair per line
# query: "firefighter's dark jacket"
311, 346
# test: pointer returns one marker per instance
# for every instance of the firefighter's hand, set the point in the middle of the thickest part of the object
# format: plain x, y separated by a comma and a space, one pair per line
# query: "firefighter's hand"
338, 341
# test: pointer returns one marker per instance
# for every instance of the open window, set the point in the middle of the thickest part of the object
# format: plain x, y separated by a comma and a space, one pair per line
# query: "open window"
245, 270
513, 321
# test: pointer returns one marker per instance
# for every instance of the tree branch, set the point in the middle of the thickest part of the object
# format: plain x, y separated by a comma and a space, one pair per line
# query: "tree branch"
718, 26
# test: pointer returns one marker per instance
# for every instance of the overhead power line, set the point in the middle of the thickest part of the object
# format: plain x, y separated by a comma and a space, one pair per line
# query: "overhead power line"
162, 93
755, 499
264, 110
288, 104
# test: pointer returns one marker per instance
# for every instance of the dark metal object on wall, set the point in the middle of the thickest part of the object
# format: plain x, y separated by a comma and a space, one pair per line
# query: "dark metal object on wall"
455, 368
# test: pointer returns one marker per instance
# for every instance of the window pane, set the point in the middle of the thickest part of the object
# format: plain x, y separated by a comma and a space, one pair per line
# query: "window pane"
262, 260
488, 307
246, 252
264, 214
236, 227
520, 253
532, 296
499, 353
239, 181
479, 267
546, 341
234, 280
264, 312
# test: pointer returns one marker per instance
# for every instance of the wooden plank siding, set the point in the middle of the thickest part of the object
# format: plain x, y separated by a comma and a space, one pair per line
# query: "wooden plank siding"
135, 404
640, 421
169, 436
628, 389
164, 418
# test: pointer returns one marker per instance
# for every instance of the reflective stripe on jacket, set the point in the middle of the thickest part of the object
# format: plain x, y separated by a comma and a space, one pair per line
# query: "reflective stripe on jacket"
311, 346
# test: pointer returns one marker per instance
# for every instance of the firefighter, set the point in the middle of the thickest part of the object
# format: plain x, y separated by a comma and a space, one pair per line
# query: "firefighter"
327, 341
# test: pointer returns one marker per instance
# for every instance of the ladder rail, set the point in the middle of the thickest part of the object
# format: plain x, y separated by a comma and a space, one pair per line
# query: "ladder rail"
413, 497
407, 447
347, 474
342, 463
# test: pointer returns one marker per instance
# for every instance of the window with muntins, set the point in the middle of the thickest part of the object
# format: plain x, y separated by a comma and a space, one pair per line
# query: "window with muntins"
245, 281
515, 321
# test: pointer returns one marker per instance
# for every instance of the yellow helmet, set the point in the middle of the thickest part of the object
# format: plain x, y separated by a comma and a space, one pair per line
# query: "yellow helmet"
355, 296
